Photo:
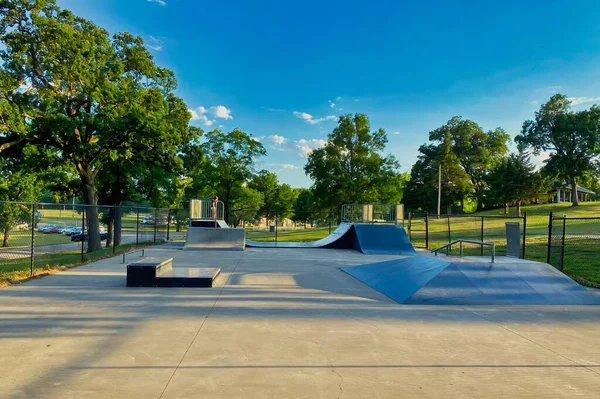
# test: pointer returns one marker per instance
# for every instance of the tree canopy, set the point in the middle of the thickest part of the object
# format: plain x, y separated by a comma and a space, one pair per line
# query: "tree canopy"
67, 85
351, 168
571, 138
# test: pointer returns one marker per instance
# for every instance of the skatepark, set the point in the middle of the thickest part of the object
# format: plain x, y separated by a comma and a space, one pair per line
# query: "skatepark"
304, 322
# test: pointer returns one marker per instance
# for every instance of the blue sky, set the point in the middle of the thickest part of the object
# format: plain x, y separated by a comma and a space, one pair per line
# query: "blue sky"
283, 70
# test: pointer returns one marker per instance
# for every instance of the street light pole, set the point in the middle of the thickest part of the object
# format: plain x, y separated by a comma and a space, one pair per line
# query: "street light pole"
439, 190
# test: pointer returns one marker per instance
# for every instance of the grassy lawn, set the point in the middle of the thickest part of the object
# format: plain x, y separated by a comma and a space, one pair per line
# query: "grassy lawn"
22, 238
298, 235
582, 243
16, 270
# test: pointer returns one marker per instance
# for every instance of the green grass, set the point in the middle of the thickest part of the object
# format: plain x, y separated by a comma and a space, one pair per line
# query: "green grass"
17, 270
298, 235
582, 243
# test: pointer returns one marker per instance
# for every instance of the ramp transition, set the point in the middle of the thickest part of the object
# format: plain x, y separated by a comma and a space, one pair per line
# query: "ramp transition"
369, 239
432, 281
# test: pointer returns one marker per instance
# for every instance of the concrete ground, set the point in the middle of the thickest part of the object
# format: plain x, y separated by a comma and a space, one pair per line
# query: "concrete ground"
280, 323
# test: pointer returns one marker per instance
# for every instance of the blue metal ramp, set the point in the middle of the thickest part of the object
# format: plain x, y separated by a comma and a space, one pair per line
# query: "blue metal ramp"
431, 281
374, 239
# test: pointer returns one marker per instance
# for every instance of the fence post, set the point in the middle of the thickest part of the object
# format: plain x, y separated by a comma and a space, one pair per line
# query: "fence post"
32, 260
562, 248
330, 221
409, 225
156, 223
449, 237
168, 223
549, 238
524, 234
82, 231
426, 230
137, 227
482, 235
276, 218
114, 229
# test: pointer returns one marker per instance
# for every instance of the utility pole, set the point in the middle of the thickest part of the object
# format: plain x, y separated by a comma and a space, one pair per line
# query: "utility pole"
439, 190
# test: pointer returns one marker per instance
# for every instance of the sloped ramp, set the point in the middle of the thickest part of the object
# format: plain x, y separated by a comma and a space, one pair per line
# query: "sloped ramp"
373, 239
341, 238
432, 281
370, 239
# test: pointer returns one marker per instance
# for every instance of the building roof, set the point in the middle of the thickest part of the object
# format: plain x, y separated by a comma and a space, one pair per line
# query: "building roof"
579, 189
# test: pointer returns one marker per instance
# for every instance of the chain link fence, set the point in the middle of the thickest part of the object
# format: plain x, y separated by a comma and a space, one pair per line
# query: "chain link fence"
38, 236
573, 247
433, 231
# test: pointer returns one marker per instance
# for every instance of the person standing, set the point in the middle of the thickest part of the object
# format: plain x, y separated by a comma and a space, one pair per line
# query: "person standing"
214, 204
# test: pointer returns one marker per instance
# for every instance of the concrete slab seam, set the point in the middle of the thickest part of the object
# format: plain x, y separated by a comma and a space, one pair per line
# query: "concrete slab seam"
201, 325
532, 341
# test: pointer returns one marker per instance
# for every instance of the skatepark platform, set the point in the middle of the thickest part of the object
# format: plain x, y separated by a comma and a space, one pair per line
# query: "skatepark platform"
159, 272
425, 280
222, 238
370, 239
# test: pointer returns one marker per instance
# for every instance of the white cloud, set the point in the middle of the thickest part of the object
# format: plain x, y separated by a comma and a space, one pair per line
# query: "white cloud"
222, 112
159, 2
535, 102
338, 98
305, 147
277, 139
201, 114
308, 118
331, 104
396, 132
282, 166
583, 100
273, 109
154, 43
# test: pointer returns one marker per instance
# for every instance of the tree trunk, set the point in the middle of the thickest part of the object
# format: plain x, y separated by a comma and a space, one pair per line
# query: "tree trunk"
519, 208
506, 208
93, 224
449, 209
118, 225
462, 206
110, 228
575, 200
5, 240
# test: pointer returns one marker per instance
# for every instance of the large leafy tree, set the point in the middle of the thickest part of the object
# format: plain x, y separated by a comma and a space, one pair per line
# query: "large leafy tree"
230, 159
351, 167
67, 85
17, 184
278, 199
475, 150
422, 189
514, 180
571, 138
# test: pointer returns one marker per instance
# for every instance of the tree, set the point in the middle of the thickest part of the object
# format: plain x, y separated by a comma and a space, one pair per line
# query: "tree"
229, 164
17, 184
246, 206
350, 168
278, 199
304, 206
475, 150
514, 180
67, 85
572, 138
422, 188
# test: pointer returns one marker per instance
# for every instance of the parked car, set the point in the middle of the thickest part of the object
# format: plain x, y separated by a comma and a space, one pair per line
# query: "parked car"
72, 230
60, 229
41, 227
50, 229
84, 237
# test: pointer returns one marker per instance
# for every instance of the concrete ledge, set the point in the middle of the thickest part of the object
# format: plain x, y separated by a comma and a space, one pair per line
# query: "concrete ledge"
211, 238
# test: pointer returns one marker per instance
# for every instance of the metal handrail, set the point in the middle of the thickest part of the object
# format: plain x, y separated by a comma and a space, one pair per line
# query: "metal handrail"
448, 247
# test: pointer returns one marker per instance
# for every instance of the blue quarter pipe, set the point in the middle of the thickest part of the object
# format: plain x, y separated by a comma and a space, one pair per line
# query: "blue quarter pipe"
371, 239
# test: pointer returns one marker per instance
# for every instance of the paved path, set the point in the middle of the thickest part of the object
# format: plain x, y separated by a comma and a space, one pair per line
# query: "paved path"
281, 324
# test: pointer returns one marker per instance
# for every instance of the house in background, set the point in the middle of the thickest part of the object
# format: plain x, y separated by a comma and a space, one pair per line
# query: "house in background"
564, 193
